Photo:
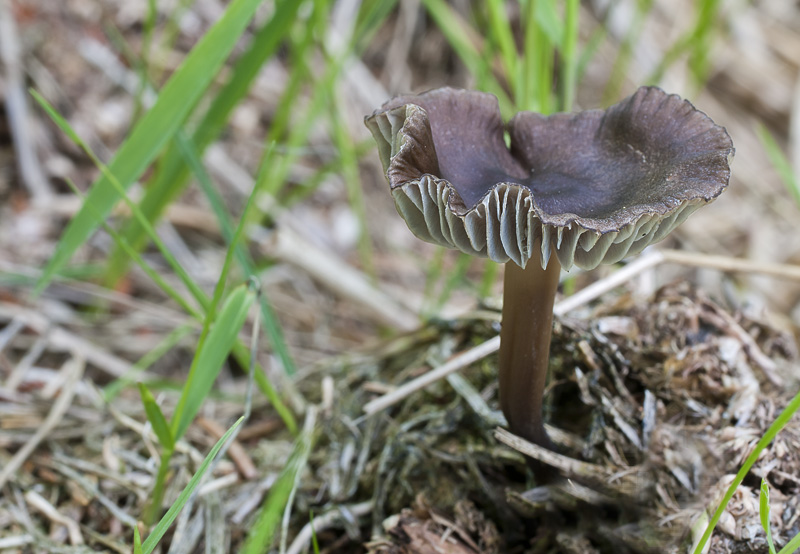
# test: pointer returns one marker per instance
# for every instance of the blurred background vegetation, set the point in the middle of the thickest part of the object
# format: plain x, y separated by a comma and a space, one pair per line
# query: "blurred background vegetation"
235, 130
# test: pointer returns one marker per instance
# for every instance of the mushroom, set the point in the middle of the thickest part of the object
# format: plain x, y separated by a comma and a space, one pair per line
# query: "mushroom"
573, 189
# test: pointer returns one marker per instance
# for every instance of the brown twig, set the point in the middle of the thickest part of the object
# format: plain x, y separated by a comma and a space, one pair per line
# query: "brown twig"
731, 264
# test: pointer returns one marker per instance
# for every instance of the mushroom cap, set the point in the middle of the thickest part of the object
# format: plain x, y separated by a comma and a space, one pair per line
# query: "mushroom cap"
592, 187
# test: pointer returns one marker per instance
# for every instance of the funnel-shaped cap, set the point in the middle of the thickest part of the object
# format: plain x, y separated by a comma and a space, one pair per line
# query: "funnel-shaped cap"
593, 186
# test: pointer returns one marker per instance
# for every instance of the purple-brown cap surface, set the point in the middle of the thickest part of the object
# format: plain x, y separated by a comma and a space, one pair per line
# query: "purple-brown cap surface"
591, 187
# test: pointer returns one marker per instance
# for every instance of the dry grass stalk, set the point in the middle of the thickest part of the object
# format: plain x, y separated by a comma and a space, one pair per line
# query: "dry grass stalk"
73, 370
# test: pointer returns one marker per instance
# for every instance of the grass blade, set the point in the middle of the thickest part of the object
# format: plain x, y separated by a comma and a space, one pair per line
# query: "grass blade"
117, 186
767, 437
270, 319
697, 41
210, 356
702, 39
462, 39
569, 56
274, 170
763, 513
137, 542
156, 418
110, 391
170, 34
244, 358
619, 70
792, 546
589, 50
161, 528
537, 64
780, 162
271, 325
503, 37
291, 133
314, 543
173, 173
215, 344
262, 532
548, 20
158, 125
370, 17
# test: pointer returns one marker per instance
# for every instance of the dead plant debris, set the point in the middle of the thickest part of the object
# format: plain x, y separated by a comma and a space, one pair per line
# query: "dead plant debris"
655, 403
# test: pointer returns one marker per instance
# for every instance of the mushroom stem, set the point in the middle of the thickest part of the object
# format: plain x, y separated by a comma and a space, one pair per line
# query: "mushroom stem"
528, 297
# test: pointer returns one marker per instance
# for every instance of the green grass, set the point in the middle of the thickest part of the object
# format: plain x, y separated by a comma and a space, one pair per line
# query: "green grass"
137, 542
781, 163
619, 70
113, 389
220, 329
155, 129
200, 297
461, 37
262, 533
314, 543
164, 524
173, 171
163, 126
94, 211
763, 512
769, 435
696, 44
